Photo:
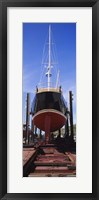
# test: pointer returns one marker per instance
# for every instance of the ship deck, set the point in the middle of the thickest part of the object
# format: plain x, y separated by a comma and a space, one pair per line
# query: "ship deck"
48, 90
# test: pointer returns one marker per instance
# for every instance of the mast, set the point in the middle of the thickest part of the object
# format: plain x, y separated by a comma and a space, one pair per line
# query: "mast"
49, 59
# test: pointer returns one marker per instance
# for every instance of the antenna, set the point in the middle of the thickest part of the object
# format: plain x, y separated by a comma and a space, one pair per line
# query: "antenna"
57, 79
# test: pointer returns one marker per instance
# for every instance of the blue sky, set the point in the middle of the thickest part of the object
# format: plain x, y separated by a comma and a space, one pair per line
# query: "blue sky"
34, 38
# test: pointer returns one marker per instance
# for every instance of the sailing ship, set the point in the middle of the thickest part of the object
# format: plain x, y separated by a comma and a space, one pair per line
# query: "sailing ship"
49, 108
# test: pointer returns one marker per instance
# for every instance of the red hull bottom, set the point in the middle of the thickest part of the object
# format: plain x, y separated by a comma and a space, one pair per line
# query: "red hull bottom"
49, 120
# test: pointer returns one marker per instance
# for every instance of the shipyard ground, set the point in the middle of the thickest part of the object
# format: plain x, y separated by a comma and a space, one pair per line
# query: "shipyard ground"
49, 160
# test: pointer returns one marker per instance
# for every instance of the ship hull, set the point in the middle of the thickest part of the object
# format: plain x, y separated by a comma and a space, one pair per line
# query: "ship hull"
53, 117
49, 111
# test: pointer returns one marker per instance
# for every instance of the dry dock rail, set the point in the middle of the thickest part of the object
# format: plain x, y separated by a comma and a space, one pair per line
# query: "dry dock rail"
48, 161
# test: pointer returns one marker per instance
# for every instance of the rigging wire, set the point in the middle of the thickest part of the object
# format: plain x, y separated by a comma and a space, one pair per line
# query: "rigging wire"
54, 57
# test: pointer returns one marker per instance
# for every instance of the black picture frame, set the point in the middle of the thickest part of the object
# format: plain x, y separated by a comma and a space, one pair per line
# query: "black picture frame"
4, 4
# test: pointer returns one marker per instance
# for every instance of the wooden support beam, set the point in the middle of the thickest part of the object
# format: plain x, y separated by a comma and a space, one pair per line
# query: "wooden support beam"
27, 116
71, 113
